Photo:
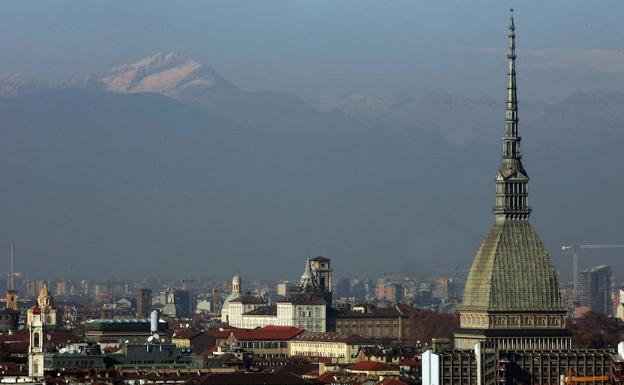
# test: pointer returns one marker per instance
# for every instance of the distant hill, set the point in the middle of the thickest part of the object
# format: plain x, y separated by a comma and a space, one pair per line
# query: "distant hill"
142, 184
182, 78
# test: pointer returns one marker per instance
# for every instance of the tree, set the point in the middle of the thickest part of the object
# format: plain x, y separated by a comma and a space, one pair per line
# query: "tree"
428, 324
594, 330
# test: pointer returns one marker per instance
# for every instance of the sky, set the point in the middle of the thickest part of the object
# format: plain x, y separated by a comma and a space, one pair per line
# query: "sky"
315, 49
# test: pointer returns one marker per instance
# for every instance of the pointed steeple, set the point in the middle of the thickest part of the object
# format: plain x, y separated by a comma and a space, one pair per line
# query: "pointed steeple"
307, 278
511, 117
512, 296
511, 179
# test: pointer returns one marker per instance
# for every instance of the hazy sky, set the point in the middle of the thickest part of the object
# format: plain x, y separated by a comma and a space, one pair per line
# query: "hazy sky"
315, 49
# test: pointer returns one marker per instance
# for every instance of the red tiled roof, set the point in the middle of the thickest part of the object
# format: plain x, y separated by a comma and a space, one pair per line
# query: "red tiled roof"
413, 361
267, 333
18, 342
184, 333
210, 352
373, 366
220, 333
391, 381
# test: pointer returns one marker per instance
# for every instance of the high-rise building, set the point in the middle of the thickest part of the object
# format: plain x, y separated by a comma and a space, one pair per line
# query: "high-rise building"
343, 288
388, 291
144, 303
61, 288
445, 289
512, 295
595, 289
183, 299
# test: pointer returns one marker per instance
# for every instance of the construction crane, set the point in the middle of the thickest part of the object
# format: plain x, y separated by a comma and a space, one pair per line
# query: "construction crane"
575, 249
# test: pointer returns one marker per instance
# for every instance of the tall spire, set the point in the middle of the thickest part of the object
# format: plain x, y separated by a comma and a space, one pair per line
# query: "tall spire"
511, 116
511, 180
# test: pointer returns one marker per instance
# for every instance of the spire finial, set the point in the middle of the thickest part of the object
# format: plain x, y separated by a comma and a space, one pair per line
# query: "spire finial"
512, 25
512, 179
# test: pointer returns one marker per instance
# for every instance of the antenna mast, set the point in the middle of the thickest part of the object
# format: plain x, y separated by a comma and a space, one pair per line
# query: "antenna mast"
12, 273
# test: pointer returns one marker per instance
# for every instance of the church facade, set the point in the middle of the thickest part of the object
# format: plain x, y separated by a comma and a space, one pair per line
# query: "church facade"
45, 304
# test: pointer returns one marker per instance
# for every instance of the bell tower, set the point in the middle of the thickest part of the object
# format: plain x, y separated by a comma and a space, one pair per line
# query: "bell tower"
11, 300
35, 347
322, 272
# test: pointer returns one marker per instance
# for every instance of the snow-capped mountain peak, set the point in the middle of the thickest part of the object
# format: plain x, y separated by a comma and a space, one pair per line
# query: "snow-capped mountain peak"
163, 73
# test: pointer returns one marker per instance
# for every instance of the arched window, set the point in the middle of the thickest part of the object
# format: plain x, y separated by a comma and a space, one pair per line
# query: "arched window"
36, 339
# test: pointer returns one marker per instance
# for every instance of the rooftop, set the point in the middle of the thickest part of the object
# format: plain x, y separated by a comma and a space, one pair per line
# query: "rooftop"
267, 333
372, 366
512, 272
248, 299
264, 310
332, 337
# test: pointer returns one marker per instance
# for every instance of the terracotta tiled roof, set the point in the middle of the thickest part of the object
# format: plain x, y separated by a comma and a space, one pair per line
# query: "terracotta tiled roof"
413, 361
18, 342
208, 353
220, 333
184, 333
391, 381
267, 333
372, 366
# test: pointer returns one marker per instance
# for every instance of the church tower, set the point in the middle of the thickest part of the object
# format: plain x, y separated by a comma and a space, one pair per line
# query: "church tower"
45, 304
512, 295
12, 300
35, 347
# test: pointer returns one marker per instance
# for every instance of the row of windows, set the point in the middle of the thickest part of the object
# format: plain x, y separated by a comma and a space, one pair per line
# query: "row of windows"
263, 344
74, 364
368, 323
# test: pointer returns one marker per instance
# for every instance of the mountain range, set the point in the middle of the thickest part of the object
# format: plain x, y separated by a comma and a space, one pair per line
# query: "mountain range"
163, 166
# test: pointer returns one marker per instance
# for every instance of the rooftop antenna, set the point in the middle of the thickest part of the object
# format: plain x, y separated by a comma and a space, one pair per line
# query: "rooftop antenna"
12, 273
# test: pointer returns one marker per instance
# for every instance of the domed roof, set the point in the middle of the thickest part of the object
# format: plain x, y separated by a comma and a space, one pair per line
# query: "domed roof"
512, 272
231, 297
171, 310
